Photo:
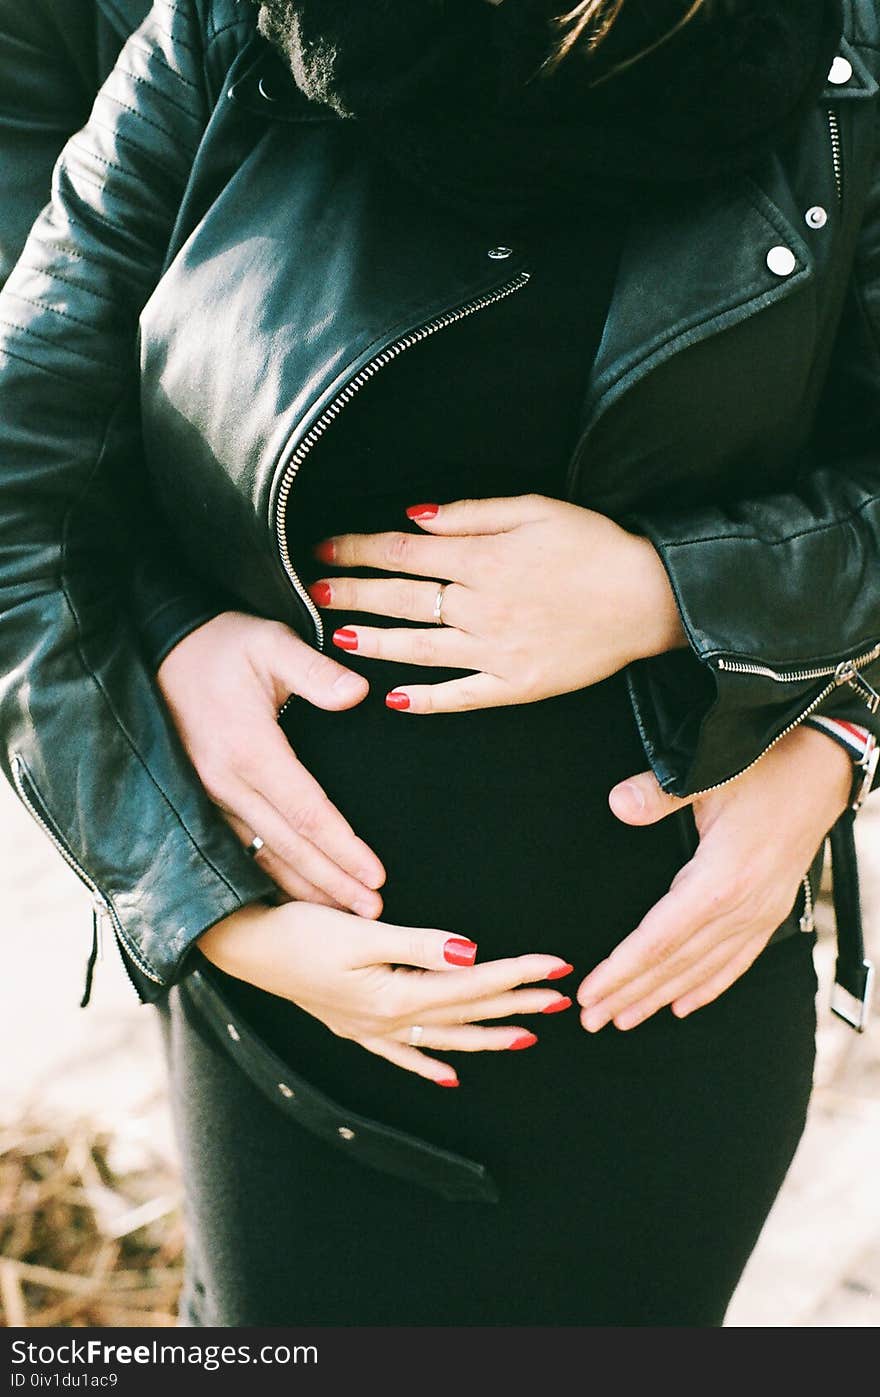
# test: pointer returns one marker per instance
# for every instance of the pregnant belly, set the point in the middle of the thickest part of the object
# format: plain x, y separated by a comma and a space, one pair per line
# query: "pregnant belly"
495, 824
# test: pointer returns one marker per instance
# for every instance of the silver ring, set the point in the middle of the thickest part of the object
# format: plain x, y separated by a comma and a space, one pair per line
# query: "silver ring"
255, 846
416, 1034
437, 616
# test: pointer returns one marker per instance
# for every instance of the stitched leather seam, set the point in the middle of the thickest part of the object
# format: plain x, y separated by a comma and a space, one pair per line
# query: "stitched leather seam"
75, 144
158, 92
142, 150
174, 39
7, 353
51, 310
788, 538
77, 285
112, 164
163, 130
78, 177
155, 57
82, 223
79, 353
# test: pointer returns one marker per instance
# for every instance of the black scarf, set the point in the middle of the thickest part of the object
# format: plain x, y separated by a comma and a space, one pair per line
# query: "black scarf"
458, 96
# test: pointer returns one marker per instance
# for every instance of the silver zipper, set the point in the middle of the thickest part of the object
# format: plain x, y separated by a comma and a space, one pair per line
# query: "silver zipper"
313, 436
101, 907
807, 920
843, 673
836, 152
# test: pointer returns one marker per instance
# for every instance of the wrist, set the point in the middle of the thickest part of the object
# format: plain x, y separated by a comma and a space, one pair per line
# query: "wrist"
225, 943
824, 767
659, 625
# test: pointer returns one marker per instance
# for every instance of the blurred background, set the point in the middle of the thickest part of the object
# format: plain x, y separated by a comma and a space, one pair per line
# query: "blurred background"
90, 1227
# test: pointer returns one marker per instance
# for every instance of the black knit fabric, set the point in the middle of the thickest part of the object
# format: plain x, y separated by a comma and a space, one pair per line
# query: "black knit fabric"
458, 96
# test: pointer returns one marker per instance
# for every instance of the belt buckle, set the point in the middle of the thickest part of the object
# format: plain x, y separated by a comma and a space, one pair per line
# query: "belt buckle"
852, 1008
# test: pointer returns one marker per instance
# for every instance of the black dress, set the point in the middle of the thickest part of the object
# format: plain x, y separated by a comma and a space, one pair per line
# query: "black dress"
636, 1169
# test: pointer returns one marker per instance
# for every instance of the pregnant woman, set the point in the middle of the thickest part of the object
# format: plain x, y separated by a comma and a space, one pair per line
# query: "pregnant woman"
526, 362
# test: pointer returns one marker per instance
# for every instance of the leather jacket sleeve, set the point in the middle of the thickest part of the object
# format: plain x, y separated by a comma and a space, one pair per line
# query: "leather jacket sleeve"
779, 594
86, 739
54, 54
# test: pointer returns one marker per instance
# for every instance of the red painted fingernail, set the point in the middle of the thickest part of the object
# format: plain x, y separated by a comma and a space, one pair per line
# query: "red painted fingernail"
448, 1082
345, 639
326, 552
459, 951
558, 974
321, 593
397, 700
422, 511
523, 1040
558, 1007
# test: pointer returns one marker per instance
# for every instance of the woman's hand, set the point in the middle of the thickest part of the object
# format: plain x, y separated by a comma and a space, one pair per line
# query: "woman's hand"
758, 837
373, 983
224, 684
544, 597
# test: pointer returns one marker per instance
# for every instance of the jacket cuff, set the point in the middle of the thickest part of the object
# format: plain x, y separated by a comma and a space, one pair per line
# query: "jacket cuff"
172, 955
172, 622
708, 711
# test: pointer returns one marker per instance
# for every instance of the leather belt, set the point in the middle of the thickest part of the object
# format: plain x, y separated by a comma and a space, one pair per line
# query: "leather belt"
367, 1141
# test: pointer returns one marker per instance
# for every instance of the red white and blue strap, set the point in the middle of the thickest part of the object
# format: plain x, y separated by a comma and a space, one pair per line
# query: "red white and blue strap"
862, 746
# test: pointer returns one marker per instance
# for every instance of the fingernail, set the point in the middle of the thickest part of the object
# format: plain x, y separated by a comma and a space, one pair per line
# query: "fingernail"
448, 1082
459, 951
558, 1006
523, 1040
346, 639
560, 973
321, 593
397, 700
593, 1022
326, 551
364, 908
422, 511
627, 800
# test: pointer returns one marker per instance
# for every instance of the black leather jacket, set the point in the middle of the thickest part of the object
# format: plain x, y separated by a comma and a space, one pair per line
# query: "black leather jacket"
178, 333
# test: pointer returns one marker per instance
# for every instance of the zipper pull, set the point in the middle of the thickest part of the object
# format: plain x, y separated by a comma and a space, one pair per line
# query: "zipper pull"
846, 673
99, 912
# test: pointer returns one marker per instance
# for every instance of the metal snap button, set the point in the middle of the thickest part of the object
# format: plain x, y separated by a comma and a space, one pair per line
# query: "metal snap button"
286, 1091
233, 1033
264, 91
345, 1132
841, 71
499, 254
781, 261
816, 217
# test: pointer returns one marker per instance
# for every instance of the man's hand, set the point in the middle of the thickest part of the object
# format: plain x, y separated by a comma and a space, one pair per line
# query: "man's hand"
758, 836
224, 684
